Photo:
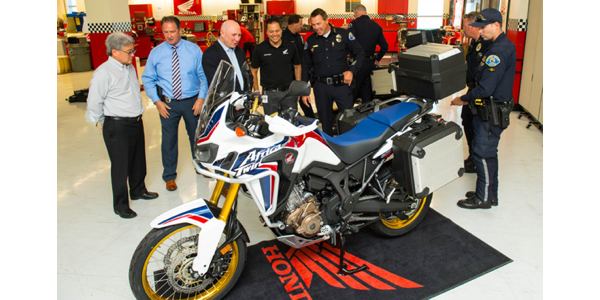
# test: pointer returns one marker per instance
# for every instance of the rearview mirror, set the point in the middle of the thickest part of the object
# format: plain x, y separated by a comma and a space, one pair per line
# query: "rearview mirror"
299, 88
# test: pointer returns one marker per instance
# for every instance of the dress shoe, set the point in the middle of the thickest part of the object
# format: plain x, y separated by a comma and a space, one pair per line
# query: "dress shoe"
171, 185
469, 166
127, 213
146, 196
473, 202
493, 201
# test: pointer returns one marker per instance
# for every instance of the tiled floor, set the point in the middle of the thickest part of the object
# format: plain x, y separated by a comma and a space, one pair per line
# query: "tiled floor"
95, 246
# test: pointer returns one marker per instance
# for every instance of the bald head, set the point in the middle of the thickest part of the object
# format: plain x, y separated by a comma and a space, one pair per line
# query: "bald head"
230, 33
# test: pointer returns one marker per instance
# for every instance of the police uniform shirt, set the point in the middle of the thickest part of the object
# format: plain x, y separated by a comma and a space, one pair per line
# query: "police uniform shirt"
327, 55
276, 64
295, 39
474, 55
496, 72
369, 34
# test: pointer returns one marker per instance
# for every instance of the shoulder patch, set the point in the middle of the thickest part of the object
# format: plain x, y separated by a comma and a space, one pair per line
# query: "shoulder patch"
492, 61
351, 36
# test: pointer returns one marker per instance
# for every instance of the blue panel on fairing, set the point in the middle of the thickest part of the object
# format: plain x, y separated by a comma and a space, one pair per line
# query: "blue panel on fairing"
265, 185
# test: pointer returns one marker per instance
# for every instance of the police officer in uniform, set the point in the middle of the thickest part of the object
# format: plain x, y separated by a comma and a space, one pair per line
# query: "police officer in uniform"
368, 34
326, 60
475, 52
491, 100
291, 35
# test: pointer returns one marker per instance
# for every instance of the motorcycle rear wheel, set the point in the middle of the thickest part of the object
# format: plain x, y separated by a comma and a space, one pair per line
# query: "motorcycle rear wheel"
392, 226
161, 266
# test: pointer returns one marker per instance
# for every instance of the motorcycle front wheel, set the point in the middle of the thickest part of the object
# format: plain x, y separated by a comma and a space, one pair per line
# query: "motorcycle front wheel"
161, 266
400, 223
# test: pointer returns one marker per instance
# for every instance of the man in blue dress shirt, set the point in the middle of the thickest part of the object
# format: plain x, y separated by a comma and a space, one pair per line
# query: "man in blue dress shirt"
174, 80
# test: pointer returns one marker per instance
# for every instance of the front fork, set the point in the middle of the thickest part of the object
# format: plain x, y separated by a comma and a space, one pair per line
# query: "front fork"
229, 198
210, 235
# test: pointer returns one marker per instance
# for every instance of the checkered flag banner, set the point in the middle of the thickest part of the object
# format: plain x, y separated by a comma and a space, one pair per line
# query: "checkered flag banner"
517, 24
109, 27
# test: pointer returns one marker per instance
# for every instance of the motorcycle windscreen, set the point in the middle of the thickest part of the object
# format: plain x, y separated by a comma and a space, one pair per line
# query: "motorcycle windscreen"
220, 89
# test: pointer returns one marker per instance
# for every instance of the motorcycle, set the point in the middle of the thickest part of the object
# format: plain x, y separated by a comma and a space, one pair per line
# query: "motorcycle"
309, 187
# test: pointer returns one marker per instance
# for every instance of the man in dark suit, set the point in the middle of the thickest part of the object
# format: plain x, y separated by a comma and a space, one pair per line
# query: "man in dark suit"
227, 49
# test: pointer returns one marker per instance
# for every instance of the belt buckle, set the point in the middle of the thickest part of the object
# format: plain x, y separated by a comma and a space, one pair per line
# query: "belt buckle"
167, 99
329, 81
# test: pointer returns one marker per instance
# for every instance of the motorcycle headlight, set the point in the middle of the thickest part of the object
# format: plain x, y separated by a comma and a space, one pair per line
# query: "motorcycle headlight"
206, 153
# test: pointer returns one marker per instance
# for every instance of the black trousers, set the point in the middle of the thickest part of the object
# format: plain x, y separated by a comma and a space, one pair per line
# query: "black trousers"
324, 97
307, 110
485, 157
362, 83
467, 121
124, 140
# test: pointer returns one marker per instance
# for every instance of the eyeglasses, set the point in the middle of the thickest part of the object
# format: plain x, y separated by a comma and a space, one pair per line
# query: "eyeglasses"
129, 52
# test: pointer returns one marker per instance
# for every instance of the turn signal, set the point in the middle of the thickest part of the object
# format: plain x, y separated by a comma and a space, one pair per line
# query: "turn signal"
239, 131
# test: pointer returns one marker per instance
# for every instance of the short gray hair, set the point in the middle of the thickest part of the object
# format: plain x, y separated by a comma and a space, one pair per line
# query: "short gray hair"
116, 41
360, 7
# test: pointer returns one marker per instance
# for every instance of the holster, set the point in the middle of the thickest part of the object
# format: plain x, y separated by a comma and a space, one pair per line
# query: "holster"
496, 112
504, 113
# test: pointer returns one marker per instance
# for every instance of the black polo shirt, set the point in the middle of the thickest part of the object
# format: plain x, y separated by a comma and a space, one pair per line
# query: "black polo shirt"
276, 64
295, 39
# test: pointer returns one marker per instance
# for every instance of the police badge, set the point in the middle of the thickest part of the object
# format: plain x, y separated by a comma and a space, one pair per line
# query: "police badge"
478, 47
338, 38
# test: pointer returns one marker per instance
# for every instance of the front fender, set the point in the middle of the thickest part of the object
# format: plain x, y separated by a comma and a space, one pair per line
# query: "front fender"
199, 214
194, 212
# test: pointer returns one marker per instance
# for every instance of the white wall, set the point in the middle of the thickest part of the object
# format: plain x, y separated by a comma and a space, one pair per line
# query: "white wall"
413, 6
332, 6
518, 9
217, 7
103, 11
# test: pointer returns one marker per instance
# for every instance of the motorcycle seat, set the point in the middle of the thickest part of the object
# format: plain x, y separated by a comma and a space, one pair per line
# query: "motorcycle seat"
370, 133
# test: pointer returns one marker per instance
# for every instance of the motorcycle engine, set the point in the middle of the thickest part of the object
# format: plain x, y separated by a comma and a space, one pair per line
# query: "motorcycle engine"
303, 212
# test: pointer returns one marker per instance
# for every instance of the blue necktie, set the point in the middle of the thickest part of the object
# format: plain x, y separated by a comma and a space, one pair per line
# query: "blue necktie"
176, 78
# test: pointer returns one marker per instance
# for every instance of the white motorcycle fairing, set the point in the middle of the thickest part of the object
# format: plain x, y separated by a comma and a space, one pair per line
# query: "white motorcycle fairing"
198, 214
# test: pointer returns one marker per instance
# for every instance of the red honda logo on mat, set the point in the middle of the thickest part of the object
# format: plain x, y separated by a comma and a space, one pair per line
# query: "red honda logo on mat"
298, 266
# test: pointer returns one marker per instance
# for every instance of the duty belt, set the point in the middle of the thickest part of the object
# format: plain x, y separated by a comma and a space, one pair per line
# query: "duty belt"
331, 80
497, 112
